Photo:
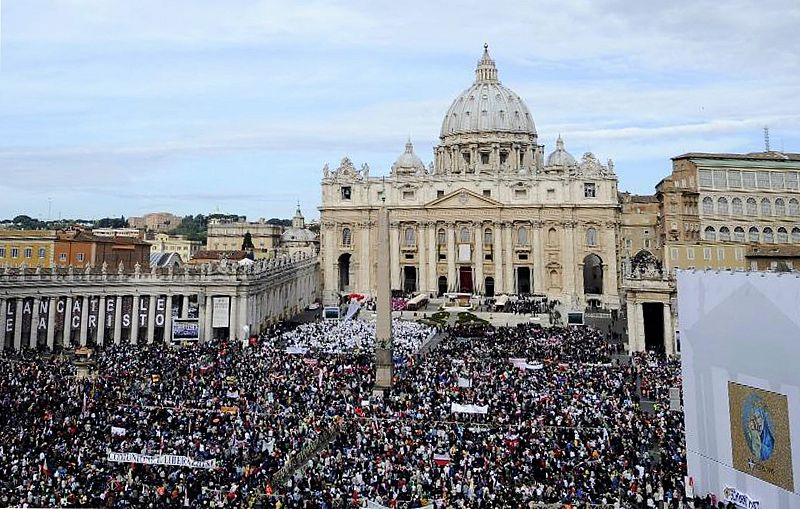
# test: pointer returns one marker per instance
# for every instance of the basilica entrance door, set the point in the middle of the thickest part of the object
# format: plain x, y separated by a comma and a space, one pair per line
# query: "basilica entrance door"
465, 279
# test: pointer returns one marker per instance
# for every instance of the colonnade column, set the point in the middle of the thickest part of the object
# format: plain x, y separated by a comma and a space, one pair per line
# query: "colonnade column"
151, 314
101, 321
669, 333
118, 321
185, 307
67, 332
135, 321
168, 320
52, 309
208, 324
422, 271
3, 304
84, 328
233, 317
34, 332
478, 260
452, 281
18, 326
497, 257
245, 314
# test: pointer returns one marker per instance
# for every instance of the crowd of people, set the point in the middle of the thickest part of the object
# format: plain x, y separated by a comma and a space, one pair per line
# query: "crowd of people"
489, 417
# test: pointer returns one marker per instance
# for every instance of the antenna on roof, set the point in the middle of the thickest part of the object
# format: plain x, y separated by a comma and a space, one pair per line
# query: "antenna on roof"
766, 138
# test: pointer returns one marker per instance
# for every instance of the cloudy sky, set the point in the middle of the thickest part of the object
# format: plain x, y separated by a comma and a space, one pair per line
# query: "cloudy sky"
112, 107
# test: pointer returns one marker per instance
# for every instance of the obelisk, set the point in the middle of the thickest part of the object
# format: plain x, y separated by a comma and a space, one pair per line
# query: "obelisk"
383, 329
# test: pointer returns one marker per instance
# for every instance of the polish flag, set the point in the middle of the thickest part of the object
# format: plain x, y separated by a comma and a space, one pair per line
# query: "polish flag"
441, 459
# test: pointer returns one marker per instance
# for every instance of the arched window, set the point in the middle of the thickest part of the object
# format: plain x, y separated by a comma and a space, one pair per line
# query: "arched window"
766, 208
769, 238
780, 207
708, 205
487, 236
724, 233
722, 206
591, 237
522, 236
464, 236
410, 237
710, 233
794, 208
783, 235
752, 234
752, 207
736, 206
738, 234
347, 237
441, 238
552, 237
795, 234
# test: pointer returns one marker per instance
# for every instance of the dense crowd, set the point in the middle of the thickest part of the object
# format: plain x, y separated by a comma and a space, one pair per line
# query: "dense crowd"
490, 417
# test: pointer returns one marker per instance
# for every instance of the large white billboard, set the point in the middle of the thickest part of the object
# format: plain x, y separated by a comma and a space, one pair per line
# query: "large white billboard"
740, 355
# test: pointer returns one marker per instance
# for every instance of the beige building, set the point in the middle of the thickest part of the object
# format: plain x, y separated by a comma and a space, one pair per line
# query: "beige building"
224, 235
163, 243
31, 248
489, 215
156, 221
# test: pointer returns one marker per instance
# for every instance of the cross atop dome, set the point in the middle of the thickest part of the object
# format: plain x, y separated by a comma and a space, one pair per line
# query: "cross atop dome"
486, 72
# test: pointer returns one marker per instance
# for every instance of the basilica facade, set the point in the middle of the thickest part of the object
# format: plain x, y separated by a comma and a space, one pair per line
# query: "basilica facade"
490, 215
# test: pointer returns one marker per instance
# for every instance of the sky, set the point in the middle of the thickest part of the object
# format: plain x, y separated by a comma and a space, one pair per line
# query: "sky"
111, 107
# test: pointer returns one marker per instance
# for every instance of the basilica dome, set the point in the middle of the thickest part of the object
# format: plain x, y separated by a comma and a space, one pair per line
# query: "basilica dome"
487, 106
560, 156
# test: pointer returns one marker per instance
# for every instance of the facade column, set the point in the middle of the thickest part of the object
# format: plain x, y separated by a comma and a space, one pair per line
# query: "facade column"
52, 305
433, 259
452, 279
18, 326
168, 321
84, 334
539, 282
508, 263
572, 272
34, 332
497, 258
330, 263
422, 263
669, 332
151, 314
394, 248
66, 338
185, 307
478, 261
101, 321
118, 321
3, 324
609, 249
135, 321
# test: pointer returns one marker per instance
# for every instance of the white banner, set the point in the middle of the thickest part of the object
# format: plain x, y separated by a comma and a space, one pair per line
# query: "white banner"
464, 382
222, 311
160, 459
118, 432
296, 350
468, 409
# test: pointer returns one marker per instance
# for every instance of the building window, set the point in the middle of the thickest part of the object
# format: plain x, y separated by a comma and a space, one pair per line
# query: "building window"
487, 236
79, 257
706, 179
791, 180
410, 237
441, 238
763, 179
753, 235
408, 195
796, 235
14, 252
464, 235
736, 207
347, 237
722, 206
739, 254
673, 253
766, 208
591, 237
794, 208
484, 158
690, 253
520, 194
42, 252
646, 243
347, 192
2, 252
589, 190
783, 235
768, 235
724, 233
734, 178
522, 236
439, 193
748, 180
752, 207
62, 257
708, 205
780, 207
776, 180
710, 233
487, 193
628, 243
706, 253
28, 252
720, 182
721, 253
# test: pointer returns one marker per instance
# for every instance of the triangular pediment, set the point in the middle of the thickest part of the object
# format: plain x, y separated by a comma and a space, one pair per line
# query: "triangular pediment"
463, 199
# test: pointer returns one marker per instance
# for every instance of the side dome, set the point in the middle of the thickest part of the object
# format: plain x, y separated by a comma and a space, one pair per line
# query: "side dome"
408, 163
487, 106
560, 157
